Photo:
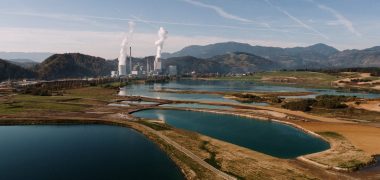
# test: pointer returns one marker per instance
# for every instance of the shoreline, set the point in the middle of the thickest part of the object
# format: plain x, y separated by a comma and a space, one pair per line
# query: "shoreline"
140, 128
277, 120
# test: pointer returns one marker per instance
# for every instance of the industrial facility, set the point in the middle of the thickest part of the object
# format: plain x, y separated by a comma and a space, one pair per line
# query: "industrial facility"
138, 70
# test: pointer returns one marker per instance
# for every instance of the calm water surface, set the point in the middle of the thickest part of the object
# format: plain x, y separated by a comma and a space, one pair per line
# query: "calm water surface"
224, 86
81, 152
196, 105
271, 138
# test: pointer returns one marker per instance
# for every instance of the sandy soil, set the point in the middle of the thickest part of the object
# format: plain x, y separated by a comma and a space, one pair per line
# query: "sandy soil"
363, 137
368, 105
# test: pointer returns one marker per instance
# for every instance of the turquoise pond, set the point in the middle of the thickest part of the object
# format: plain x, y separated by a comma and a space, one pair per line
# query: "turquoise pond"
81, 152
270, 138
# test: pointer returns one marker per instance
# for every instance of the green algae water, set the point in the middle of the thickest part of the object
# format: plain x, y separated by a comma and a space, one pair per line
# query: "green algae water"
81, 152
267, 137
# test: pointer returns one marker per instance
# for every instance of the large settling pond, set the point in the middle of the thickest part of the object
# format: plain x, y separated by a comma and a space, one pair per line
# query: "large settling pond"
271, 138
149, 90
81, 152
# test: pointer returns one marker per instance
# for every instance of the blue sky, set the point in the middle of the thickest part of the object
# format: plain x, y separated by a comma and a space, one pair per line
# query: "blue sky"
98, 27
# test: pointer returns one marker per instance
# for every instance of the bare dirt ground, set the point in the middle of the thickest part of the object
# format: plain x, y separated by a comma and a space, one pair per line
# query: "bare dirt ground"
363, 137
373, 105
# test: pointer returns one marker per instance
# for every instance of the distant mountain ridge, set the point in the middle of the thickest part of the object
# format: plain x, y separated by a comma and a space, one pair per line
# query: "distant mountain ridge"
315, 56
233, 58
25, 63
12, 71
35, 56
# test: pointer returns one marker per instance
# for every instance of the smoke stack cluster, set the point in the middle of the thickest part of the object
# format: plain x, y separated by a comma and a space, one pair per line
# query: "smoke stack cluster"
124, 50
162, 35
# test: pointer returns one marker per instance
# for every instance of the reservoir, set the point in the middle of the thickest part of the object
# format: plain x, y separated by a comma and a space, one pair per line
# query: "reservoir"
81, 152
267, 137
149, 90
196, 106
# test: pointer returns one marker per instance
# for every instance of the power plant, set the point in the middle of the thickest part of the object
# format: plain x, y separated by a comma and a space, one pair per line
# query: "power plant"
123, 57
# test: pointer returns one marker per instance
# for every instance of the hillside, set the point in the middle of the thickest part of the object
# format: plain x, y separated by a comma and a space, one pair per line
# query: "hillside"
12, 71
74, 65
297, 57
357, 58
240, 62
188, 64
25, 63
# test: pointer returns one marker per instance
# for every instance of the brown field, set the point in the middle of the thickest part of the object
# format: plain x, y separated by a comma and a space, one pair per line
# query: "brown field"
363, 137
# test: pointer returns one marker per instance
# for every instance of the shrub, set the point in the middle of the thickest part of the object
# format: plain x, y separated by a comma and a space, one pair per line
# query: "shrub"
301, 105
40, 92
276, 100
336, 98
332, 102
248, 97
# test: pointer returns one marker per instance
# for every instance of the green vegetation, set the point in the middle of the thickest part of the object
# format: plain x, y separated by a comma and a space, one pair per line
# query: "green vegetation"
114, 85
73, 100
300, 105
353, 164
248, 98
332, 101
38, 91
154, 125
322, 101
211, 160
349, 113
293, 78
95, 92
31, 103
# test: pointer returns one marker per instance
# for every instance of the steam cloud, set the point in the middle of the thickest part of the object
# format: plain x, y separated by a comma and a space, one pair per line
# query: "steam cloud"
124, 45
162, 35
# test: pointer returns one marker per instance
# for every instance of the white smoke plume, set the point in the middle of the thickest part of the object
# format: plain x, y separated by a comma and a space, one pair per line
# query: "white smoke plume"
125, 44
162, 35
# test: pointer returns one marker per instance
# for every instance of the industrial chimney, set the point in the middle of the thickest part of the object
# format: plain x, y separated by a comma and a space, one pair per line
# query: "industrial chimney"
130, 60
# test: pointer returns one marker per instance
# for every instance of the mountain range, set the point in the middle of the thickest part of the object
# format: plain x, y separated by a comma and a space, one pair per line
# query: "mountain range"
34, 56
315, 56
223, 58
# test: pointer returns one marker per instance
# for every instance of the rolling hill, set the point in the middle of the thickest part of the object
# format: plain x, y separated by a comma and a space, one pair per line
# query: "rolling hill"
74, 65
12, 71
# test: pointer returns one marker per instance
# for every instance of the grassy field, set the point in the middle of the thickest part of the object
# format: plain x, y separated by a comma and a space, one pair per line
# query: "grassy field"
348, 113
72, 101
286, 77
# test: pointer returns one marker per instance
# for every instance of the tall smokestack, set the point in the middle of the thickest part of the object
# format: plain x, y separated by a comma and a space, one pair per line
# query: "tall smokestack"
130, 59
124, 50
162, 35
147, 65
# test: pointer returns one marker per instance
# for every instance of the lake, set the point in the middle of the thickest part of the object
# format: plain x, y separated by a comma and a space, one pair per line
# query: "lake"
148, 90
81, 152
272, 138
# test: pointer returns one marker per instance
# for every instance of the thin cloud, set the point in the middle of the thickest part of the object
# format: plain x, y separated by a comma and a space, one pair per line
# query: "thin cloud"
340, 19
105, 44
221, 12
298, 21
89, 19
